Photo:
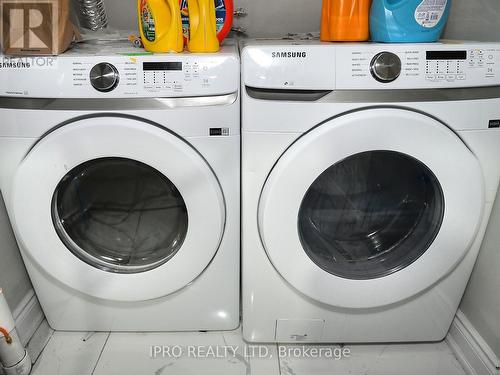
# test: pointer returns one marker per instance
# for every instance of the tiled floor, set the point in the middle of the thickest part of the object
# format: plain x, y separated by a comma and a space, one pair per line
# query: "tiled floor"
224, 353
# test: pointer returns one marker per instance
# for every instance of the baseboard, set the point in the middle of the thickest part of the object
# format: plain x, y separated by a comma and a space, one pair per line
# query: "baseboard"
471, 349
28, 315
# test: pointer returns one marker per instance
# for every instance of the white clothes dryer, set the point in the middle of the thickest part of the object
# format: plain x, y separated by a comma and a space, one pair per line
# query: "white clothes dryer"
120, 173
368, 178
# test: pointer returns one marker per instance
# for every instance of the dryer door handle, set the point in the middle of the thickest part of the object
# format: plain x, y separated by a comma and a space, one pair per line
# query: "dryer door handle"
286, 95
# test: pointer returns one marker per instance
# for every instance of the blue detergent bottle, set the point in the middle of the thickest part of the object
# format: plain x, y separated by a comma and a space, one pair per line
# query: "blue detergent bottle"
408, 21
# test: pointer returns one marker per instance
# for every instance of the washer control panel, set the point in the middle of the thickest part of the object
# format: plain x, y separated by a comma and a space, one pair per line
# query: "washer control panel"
153, 76
117, 70
417, 66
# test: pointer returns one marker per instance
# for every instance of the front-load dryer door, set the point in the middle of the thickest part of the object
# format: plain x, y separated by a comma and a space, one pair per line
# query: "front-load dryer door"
371, 208
118, 208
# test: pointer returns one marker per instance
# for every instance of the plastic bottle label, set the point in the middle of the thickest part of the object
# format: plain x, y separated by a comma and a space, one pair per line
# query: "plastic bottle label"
220, 15
147, 22
429, 12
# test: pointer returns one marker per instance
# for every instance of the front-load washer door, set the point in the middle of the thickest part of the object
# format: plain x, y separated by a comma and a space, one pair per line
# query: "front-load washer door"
371, 208
118, 208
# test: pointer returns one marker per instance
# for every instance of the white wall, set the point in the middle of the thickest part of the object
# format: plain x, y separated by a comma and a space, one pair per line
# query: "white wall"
13, 277
266, 18
122, 14
277, 18
474, 20
477, 19
481, 303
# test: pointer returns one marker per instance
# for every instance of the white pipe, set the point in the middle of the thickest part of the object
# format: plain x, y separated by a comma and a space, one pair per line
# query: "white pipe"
6, 319
14, 358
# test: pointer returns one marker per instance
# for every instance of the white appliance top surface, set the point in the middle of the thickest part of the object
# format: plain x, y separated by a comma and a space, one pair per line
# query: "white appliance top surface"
315, 65
316, 42
138, 74
105, 47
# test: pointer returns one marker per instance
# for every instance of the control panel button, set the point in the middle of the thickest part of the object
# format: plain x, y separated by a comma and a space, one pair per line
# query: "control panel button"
385, 67
104, 77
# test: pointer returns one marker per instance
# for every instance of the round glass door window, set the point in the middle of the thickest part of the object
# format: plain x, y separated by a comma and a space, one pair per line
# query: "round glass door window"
371, 215
119, 215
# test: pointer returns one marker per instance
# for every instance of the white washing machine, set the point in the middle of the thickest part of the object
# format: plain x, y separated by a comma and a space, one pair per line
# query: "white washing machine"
120, 173
369, 173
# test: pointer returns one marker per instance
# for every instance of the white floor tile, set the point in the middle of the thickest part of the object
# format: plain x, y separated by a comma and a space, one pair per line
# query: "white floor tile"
410, 359
260, 360
184, 354
70, 353
39, 340
211, 353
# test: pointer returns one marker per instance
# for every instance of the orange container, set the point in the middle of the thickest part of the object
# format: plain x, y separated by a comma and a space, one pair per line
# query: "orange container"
345, 20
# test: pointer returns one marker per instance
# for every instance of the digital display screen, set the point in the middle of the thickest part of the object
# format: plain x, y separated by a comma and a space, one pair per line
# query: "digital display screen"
162, 66
446, 55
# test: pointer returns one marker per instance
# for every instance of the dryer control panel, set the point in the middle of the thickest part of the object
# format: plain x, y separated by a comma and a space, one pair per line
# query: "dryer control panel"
417, 66
117, 70
312, 65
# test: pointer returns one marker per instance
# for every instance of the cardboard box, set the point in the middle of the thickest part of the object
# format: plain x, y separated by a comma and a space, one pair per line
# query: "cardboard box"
36, 27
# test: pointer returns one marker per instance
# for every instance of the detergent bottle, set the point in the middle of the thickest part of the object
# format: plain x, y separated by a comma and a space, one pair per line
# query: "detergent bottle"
345, 20
224, 14
407, 21
160, 25
202, 26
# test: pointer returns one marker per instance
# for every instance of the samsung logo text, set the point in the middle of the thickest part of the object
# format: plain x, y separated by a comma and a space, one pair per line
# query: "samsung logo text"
289, 55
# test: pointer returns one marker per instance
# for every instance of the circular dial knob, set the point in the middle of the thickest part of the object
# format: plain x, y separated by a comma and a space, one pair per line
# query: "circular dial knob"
104, 77
385, 67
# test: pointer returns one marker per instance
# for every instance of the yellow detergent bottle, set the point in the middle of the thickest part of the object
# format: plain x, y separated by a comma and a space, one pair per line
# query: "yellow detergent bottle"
160, 25
202, 26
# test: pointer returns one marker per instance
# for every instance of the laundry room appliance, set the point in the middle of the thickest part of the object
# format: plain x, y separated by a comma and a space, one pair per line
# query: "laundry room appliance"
368, 176
120, 173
